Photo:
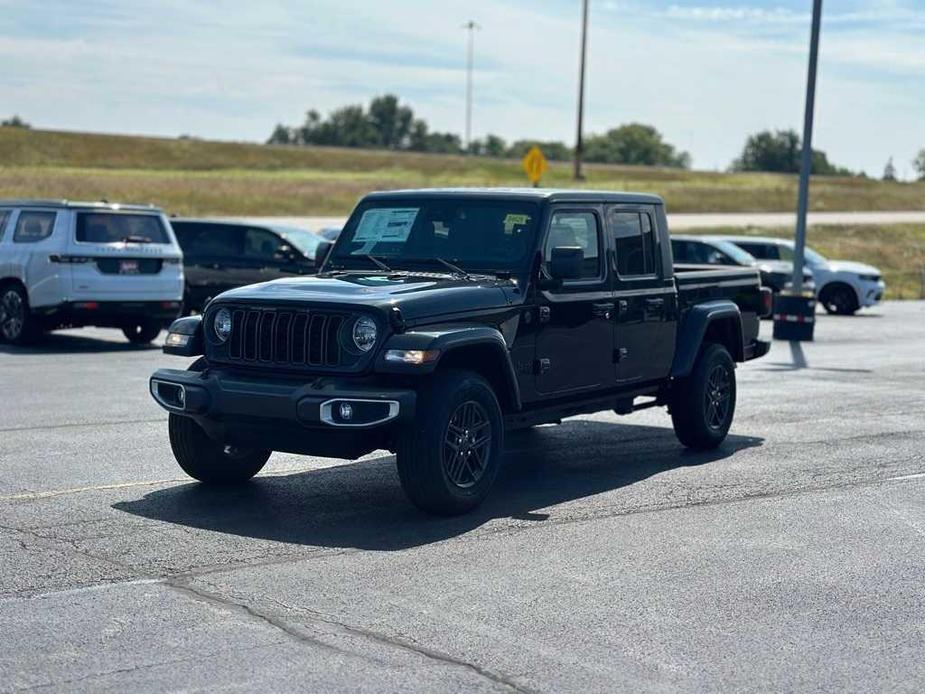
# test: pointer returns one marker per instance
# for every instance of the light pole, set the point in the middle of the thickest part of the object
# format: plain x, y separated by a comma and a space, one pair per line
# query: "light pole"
471, 27
579, 140
806, 162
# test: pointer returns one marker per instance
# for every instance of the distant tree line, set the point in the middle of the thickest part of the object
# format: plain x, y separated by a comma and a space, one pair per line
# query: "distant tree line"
14, 122
387, 124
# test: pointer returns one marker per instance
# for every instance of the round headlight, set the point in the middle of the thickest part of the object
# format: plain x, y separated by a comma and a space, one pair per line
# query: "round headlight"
221, 324
364, 333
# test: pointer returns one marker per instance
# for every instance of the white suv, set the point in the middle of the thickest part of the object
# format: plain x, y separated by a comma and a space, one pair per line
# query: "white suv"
67, 264
842, 286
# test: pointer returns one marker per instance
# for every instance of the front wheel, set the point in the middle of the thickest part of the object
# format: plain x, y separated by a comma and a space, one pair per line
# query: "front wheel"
703, 404
143, 332
209, 461
840, 300
449, 458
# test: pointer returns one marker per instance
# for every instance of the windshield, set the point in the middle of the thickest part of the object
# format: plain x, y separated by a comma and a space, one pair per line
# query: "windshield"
471, 233
109, 227
810, 256
737, 254
305, 241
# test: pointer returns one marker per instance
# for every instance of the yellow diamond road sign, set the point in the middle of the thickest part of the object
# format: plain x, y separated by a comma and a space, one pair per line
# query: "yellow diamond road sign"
535, 164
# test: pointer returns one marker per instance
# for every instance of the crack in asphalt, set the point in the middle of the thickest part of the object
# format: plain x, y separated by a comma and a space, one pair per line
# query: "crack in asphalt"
78, 425
237, 603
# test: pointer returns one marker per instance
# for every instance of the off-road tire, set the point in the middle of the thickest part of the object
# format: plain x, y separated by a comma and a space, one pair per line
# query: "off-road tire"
143, 332
207, 460
432, 473
703, 404
17, 324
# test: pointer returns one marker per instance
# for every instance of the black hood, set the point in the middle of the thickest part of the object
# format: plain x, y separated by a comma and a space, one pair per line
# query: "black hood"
417, 295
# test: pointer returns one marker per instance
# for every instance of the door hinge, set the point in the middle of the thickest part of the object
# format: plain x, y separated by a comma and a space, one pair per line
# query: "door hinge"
541, 366
545, 313
620, 354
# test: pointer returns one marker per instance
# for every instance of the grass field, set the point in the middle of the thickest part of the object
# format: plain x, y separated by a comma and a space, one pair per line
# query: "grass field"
898, 250
194, 177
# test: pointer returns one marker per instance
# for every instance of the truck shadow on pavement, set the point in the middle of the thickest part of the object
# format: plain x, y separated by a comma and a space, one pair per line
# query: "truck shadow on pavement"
361, 505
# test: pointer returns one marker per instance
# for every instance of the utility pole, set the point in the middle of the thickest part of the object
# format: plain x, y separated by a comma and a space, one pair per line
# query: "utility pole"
806, 163
471, 27
579, 141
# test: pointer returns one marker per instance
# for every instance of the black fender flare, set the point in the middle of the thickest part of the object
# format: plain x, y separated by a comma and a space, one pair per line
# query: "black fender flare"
448, 339
694, 328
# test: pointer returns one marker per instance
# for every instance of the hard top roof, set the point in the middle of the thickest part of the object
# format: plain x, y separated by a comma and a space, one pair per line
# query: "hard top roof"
74, 204
523, 194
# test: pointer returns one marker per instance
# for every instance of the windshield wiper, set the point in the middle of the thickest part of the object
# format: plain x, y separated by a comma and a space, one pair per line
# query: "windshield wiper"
455, 268
379, 263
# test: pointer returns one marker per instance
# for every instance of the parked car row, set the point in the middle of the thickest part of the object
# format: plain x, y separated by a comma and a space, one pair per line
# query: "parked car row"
69, 264
842, 287
72, 264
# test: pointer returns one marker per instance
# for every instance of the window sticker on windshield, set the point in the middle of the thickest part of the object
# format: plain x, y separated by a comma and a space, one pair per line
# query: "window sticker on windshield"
512, 220
384, 225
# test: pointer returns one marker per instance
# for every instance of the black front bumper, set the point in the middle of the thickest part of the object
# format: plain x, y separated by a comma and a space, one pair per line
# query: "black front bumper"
108, 314
292, 415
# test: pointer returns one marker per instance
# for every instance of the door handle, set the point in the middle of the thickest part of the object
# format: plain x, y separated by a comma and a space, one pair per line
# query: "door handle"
602, 310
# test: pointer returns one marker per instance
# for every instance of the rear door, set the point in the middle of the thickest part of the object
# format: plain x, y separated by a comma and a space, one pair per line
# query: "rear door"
644, 296
574, 340
36, 235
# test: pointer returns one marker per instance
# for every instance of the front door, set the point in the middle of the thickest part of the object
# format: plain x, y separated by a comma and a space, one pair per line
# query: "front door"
644, 296
574, 342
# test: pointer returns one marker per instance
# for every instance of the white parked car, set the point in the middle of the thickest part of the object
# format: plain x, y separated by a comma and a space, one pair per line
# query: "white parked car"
842, 286
68, 264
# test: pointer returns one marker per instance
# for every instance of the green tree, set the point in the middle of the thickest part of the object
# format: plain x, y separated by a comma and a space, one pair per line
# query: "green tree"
391, 121
14, 122
637, 144
491, 146
282, 136
780, 152
552, 150
919, 165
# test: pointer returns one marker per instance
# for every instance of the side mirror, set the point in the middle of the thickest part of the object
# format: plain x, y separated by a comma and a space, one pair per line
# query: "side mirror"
565, 262
321, 252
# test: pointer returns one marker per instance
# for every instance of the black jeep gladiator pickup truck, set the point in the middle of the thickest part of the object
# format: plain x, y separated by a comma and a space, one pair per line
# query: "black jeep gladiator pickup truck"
441, 319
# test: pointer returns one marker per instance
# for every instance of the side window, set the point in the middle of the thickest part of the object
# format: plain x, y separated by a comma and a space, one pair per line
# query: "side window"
34, 226
762, 251
261, 244
634, 243
576, 229
680, 251
213, 241
4, 218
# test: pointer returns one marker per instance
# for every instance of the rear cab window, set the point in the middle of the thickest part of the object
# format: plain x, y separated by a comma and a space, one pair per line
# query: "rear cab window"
634, 243
209, 240
108, 227
34, 226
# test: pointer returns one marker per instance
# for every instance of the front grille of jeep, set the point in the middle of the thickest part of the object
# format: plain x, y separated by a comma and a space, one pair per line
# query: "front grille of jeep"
284, 338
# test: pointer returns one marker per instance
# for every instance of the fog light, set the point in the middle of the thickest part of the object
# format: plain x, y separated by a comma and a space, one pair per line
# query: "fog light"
346, 411
177, 340
415, 357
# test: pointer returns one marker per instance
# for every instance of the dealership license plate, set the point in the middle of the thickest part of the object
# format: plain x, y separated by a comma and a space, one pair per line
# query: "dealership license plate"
128, 267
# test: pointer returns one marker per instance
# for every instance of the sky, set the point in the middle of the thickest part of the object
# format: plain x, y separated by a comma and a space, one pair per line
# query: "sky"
706, 73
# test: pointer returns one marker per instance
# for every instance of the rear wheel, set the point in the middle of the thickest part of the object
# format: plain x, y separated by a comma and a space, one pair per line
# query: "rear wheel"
448, 460
839, 300
703, 404
209, 461
17, 325
143, 332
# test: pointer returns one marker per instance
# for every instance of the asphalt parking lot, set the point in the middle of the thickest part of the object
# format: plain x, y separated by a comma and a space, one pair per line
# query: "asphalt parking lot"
608, 557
